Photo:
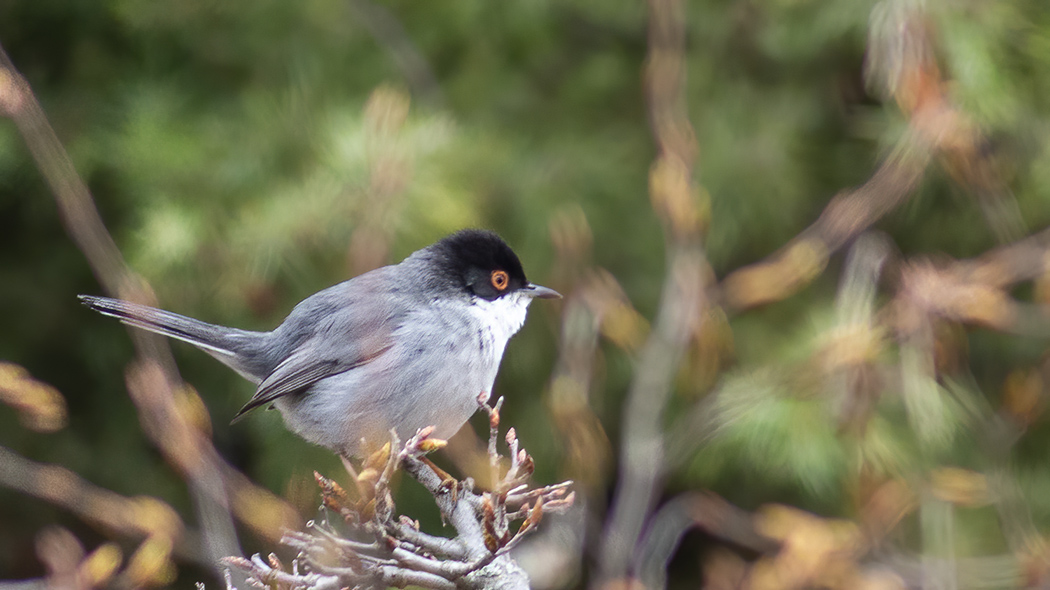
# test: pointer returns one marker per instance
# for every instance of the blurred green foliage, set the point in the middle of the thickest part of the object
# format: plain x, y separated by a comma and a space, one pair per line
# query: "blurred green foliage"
230, 149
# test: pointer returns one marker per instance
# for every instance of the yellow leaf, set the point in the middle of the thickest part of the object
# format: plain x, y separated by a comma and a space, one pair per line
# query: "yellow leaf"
100, 566
151, 564
960, 486
155, 517
40, 406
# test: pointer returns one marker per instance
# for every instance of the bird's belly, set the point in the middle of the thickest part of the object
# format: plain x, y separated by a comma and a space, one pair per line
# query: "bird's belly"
418, 383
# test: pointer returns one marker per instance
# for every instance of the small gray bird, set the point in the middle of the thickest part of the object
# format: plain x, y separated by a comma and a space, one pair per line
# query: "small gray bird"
403, 346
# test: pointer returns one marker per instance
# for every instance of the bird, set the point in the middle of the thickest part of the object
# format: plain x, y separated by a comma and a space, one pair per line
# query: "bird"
402, 347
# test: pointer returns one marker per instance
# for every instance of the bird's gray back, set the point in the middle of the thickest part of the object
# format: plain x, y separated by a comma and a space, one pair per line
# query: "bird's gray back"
349, 318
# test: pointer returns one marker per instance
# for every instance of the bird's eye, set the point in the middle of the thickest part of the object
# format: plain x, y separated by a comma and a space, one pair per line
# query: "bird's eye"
500, 279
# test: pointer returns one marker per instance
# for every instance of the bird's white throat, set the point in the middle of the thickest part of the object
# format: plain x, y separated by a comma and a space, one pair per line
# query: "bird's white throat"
503, 316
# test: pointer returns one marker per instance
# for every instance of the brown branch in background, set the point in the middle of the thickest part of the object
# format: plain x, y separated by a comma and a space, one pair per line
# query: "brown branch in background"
595, 305
153, 523
845, 359
190, 450
75, 205
598, 305
153, 379
847, 215
901, 65
932, 295
1023, 260
62, 555
971, 163
674, 196
975, 291
931, 298
704, 511
133, 517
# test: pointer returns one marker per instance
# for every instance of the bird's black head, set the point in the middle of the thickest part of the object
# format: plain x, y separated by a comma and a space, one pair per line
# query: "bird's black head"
480, 262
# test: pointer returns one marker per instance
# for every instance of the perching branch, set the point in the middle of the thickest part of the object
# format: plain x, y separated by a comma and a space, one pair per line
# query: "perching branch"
372, 547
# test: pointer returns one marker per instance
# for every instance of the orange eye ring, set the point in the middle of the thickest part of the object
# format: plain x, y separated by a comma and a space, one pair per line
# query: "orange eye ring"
500, 279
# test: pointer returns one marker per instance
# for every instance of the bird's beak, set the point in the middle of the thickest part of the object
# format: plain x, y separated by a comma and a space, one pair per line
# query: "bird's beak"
538, 292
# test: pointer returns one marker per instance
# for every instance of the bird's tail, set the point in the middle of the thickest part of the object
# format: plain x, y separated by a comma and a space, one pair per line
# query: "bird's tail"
231, 346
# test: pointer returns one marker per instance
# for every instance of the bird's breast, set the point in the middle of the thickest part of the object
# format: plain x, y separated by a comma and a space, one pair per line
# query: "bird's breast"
438, 363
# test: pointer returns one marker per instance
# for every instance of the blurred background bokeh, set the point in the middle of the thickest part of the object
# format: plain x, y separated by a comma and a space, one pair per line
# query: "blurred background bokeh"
843, 383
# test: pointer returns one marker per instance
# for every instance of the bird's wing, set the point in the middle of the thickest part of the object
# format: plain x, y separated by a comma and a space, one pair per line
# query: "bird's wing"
331, 332
301, 370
